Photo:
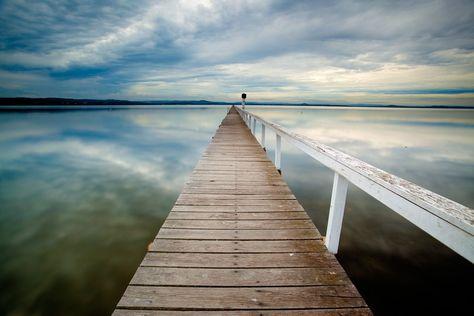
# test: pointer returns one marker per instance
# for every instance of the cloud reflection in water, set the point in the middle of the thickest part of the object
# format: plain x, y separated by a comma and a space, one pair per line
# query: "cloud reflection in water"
82, 193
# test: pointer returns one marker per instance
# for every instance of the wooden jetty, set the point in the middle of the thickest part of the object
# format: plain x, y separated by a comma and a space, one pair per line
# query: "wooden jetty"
237, 242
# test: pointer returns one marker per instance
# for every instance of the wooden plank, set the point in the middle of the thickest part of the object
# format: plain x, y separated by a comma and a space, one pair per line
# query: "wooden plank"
200, 196
238, 246
266, 166
239, 208
239, 224
231, 261
237, 158
283, 204
231, 178
242, 173
232, 170
233, 185
316, 312
250, 298
241, 183
247, 234
247, 167
162, 276
238, 216
205, 208
219, 190
270, 206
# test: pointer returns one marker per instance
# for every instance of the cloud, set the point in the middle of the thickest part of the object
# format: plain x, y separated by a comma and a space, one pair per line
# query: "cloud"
275, 50
89, 48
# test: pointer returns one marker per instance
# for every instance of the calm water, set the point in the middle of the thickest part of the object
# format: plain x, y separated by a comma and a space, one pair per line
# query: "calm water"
82, 193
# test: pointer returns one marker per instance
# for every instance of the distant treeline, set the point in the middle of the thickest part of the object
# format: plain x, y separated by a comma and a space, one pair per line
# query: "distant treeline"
113, 102
64, 101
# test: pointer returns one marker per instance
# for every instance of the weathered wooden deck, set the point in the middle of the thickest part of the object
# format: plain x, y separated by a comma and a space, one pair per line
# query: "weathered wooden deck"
238, 242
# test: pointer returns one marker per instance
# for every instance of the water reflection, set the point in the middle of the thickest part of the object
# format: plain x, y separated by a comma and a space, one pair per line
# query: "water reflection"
395, 265
81, 195
83, 192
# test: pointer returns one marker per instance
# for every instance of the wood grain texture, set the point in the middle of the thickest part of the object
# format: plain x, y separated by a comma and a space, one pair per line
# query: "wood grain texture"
282, 204
304, 312
240, 298
243, 246
235, 234
237, 242
245, 260
283, 207
238, 277
238, 216
239, 224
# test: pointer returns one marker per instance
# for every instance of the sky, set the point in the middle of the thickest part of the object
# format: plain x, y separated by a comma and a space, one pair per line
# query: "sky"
334, 52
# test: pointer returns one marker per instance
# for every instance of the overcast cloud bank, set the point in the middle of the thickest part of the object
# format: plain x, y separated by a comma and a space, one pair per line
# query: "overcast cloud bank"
409, 52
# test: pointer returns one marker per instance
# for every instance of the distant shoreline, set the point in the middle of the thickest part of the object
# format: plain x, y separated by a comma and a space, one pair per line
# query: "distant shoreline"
51, 103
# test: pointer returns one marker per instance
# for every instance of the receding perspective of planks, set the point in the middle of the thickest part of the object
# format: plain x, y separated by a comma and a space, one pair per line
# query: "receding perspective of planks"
237, 242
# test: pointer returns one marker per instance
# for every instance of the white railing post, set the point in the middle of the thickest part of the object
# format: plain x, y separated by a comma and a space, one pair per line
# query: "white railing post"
446, 220
278, 152
263, 136
254, 126
336, 212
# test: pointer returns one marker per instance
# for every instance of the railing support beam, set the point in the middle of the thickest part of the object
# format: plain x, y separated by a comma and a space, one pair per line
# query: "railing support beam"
263, 136
336, 212
254, 125
278, 152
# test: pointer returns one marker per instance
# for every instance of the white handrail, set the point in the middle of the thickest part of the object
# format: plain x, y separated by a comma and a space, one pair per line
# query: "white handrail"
448, 221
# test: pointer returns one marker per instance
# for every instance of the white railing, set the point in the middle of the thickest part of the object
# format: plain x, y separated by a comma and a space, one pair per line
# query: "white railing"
446, 220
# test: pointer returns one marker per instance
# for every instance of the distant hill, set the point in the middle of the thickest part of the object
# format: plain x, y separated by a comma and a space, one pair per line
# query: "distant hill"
64, 101
112, 102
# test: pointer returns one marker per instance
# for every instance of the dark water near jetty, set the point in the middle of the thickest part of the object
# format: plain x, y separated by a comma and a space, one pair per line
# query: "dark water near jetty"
82, 193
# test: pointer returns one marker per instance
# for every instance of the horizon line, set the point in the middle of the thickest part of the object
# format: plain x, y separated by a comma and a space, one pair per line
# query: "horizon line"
58, 101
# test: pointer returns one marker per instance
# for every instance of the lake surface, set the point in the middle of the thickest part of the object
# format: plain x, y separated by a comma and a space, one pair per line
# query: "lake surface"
83, 192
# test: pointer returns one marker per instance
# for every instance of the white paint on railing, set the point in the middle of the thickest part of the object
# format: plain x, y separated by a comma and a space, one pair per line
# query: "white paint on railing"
278, 152
263, 136
446, 220
336, 212
254, 125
